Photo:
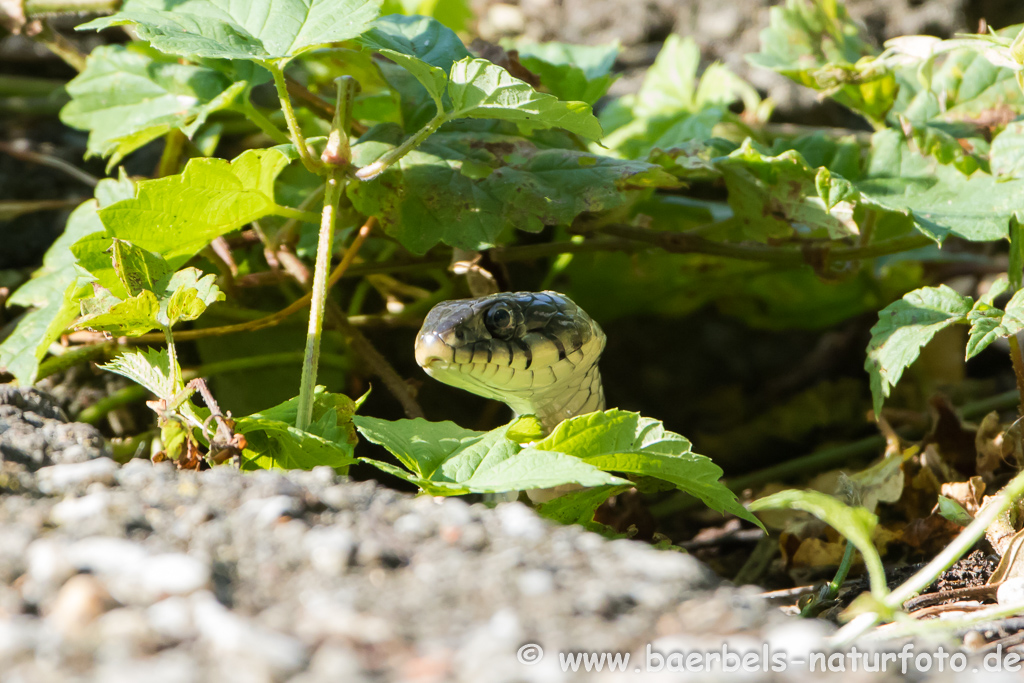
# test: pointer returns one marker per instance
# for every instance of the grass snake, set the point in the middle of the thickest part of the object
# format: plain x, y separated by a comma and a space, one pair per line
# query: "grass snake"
535, 351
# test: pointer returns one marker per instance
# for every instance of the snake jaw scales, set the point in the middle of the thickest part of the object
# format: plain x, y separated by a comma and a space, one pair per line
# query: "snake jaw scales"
535, 351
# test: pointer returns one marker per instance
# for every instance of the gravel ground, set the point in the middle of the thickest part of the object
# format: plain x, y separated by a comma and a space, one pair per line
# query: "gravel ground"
142, 572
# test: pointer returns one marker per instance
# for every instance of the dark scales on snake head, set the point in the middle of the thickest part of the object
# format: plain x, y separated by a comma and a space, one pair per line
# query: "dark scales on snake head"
535, 351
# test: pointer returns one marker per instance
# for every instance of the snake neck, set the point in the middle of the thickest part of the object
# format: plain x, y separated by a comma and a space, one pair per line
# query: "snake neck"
581, 395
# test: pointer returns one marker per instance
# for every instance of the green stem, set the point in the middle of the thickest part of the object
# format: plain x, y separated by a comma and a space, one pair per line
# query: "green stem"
61, 46
296, 214
371, 171
324, 248
249, 110
298, 139
337, 158
964, 541
174, 143
831, 589
685, 243
841, 573
177, 384
34, 8
1018, 369
28, 86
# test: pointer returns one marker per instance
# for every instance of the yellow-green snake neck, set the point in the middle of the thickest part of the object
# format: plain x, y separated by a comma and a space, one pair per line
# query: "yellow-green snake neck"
535, 351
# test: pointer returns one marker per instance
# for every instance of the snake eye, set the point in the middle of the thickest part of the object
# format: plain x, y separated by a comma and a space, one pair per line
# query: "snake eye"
500, 321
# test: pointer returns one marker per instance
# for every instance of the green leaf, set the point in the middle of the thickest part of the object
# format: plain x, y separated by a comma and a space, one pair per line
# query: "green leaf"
903, 328
138, 269
49, 282
131, 317
1015, 268
482, 90
187, 295
150, 295
465, 190
424, 38
816, 44
455, 14
420, 445
672, 108
125, 98
621, 441
953, 511
54, 292
446, 459
578, 507
989, 323
274, 443
570, 72
179, 215
27, 345
941, 200
856, 524
770, 195
150, 368
256, 30
1007, 152
420, 45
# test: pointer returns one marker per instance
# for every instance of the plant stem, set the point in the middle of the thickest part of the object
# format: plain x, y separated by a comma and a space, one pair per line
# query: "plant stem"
964, 541
298, 139
34, 8
51, 161
58, 45
685, 243
28, 86
324, 249
174, 142
249, 110
371, 171
1018, 369
305, 216
337, 158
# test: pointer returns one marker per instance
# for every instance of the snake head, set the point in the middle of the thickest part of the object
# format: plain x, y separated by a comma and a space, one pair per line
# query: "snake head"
535, 351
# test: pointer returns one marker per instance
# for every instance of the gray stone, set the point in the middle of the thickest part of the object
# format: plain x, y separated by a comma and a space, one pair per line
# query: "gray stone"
60, 478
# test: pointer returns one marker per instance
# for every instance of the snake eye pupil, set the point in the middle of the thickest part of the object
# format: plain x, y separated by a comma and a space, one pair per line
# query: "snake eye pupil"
499, 321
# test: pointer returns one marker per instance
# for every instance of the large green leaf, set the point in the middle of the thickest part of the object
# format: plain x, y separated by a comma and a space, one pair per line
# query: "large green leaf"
770, 195
54, 289
274, 443
672, 107
856, 524
424, 38
903, 328
423, 47
578, 507
815, 43
125, 98
465, 190
179, 215
446, 459
570, 72
482, 90
454, 14
941, 200
621, 441
257, 30
151, 295
989, 323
